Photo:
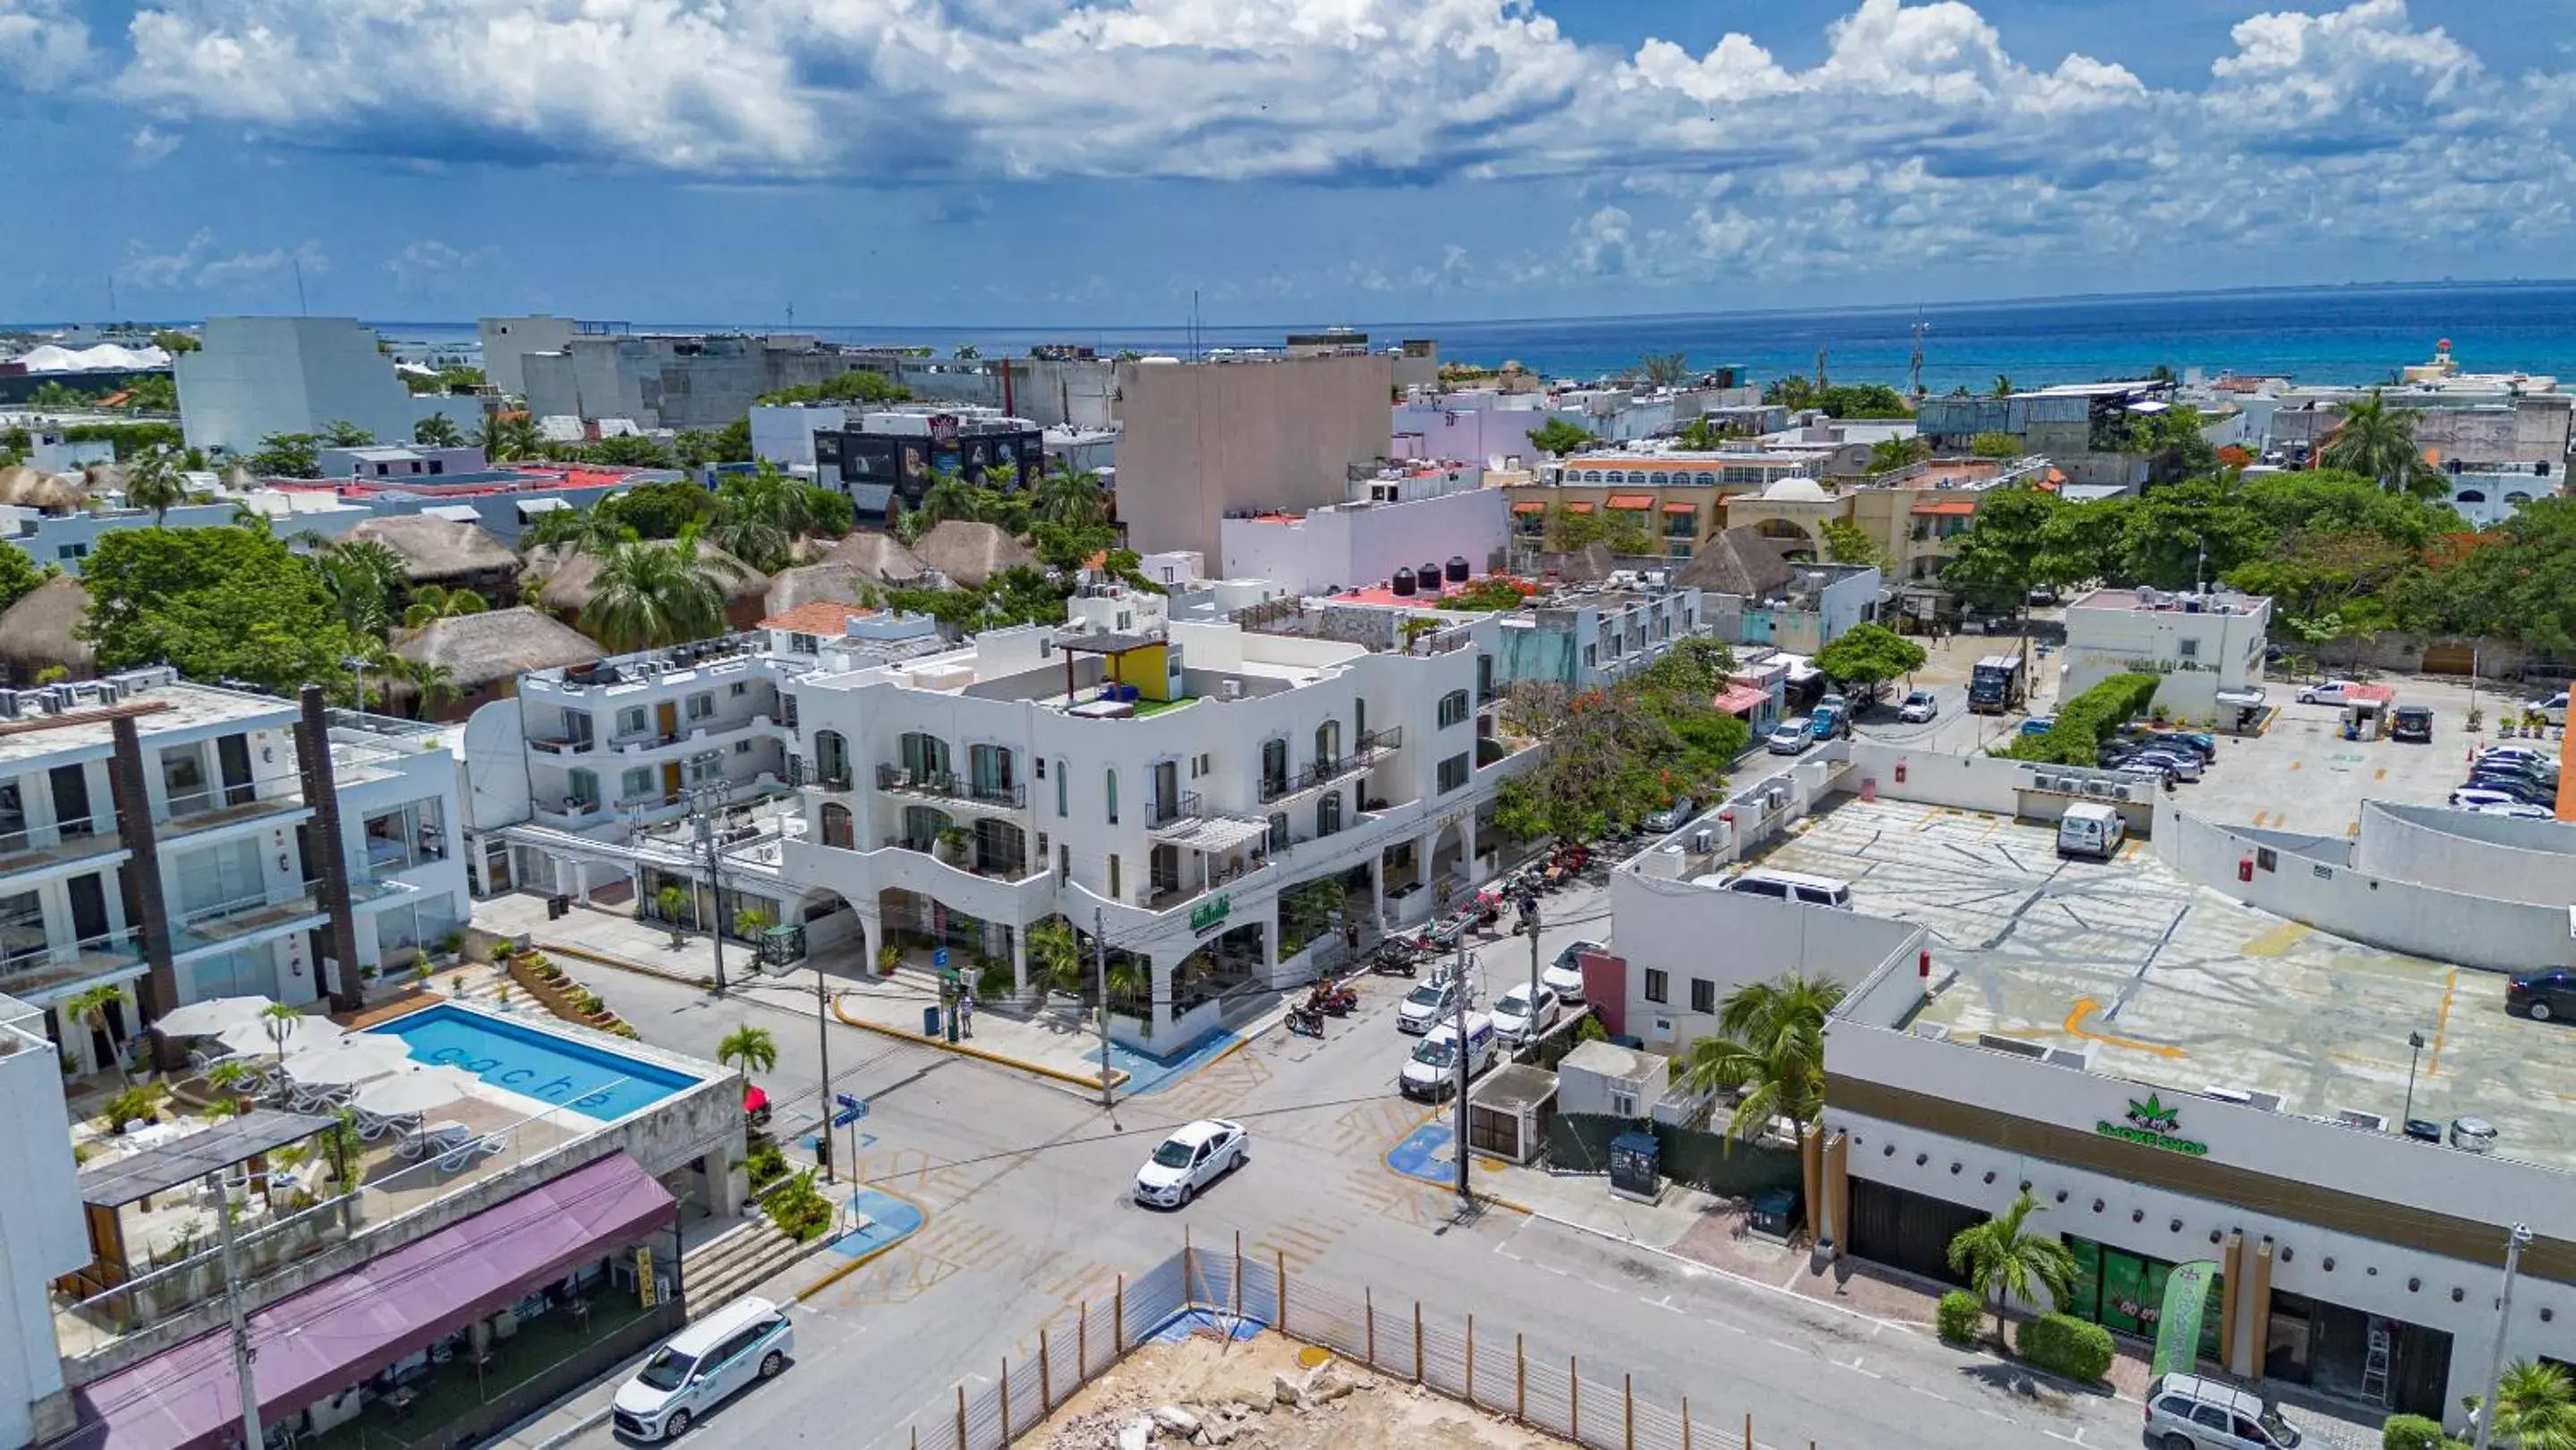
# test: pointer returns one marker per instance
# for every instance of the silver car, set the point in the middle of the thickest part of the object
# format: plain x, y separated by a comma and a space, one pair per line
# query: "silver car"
1791, 737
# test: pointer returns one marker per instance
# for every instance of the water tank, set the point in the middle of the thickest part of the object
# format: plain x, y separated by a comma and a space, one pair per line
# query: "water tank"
1429, 574
1402, 584
1457, 571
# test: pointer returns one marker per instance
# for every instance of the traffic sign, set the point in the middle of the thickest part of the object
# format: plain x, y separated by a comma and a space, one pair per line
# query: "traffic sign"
847, 1101
939, 956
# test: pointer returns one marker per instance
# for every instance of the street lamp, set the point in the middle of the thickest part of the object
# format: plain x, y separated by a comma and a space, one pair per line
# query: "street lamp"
2415, 1046
2514, 1240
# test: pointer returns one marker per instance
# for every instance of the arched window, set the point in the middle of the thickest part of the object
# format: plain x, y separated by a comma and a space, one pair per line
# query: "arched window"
1328, 744
2469, 495
925, 757
1279, 831
1328, 814
1592, 475
1453, 709
1614, 476
2517, 499
831, 758
1705, 480
1113, 797
1274, 769
836, 826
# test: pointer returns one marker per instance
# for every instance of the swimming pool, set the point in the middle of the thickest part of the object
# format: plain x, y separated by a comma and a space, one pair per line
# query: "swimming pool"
542, 1065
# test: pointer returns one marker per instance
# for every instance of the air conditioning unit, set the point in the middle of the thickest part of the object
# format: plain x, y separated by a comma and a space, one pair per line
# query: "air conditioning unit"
2106, 790
1703, 841
1229, 689
2356, 1118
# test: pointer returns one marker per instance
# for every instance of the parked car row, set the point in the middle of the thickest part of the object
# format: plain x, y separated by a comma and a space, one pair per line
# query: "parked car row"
2511, 780
2167, 756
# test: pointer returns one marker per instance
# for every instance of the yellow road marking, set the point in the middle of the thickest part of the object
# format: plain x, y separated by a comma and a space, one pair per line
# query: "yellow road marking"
2278, 940
2380, 774
2442, 1024
2086, 1007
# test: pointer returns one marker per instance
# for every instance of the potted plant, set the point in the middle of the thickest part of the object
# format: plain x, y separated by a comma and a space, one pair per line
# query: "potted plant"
952, 844
889, 957
673, 903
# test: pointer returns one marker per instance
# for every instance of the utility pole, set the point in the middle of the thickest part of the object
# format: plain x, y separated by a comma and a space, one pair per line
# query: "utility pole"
2514, 1240
1458, 1143
246, 1381
706, 831
1529, 917
823, 1054
1100, 968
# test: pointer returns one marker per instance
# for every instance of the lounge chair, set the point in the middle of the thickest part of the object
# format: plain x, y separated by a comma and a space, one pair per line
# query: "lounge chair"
321, 1099
457, 1160
373, 1126
436, 1138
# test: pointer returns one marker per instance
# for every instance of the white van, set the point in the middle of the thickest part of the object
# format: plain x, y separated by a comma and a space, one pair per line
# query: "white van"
1432, 1071
2091, 829
2187, 1412
1792, 886
702, 1366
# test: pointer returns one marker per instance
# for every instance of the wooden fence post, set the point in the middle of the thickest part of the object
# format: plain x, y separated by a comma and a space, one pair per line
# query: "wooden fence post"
1471, 1361
1417, 1341
1006, 1401
1520, 1380
1628, 1410
1282, 1270
1189, 1274
961, 1417
1686, 1444
1238, 1273
1574, 1397
1118, 1326
1046, 1374
1748, 1430
1368, 1312
1082, 1345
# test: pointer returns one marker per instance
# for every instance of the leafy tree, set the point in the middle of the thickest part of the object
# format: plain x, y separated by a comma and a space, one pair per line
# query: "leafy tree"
651, 594
287, 455
438, 431
593, 530
750, 1048
215, 603
1071, 496
856, 386
128, 439
455, 378
1663, 369
1995, 445
1998, 559
1848, 543
152, 393
20, 575
175, 342
430, 601
2521, 584
1867, 656
1769, 1047
1701, 434
152, 482
2535, 1407
2173, 444
2196, 530
1068, 547
1841, 400
1557, 436
1568, 530
627, 450
53, 394
509, 437
660, 510
2377, 441
341, 433
1888, 455
1621, 753
2005, 1262
948, 499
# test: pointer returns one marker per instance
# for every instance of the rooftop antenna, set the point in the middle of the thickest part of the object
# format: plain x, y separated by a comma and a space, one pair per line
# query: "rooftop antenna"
111, 296
1820, 368
1915, 364
299, 287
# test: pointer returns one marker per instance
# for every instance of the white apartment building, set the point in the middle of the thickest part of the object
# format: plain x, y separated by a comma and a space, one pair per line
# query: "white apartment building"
261, 375
1399, 516
1590, 636
1211, 801
42, 1236
173, 840
2208, 647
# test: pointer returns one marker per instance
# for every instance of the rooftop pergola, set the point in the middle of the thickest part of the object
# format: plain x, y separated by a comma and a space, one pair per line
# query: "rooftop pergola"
181, 1163
1107, 645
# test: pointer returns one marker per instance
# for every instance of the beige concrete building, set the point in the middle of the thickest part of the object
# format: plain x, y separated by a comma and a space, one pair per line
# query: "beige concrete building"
1913, 515
1681, 498
1204, 440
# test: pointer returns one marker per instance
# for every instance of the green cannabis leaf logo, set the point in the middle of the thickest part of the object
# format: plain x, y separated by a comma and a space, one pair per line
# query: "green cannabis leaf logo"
2153, 1116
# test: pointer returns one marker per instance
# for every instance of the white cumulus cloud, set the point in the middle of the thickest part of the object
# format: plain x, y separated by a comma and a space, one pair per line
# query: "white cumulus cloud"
43, 47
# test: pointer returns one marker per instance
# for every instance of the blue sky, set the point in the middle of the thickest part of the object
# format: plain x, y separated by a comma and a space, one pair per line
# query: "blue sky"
1022, 162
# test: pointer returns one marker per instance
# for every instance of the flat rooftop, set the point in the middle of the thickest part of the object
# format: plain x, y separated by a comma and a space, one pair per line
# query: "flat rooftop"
2177, 987
89, 723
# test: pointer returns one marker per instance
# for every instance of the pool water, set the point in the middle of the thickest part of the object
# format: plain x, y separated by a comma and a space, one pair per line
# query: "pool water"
541, 1065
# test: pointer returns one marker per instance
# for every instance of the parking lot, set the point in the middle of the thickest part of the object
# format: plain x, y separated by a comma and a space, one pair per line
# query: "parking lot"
2184, 988
2301, 775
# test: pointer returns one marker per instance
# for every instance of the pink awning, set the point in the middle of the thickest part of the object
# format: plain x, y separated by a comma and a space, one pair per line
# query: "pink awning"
1739, 700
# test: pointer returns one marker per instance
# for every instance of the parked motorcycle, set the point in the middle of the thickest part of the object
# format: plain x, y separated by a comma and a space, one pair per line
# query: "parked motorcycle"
1306, 1022
1335, 1000
1394, 959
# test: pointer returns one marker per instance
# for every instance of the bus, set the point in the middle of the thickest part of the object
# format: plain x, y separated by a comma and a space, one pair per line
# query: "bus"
1996, 687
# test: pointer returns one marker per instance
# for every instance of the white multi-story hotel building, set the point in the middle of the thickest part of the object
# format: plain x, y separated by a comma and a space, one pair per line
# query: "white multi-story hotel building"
178, 841
1210, 800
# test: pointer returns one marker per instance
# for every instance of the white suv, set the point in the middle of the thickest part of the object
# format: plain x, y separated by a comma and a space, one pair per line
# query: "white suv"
2188, 1412
703, 1366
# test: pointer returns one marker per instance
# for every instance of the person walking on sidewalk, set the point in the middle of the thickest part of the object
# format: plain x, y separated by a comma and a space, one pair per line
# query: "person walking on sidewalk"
966, 1014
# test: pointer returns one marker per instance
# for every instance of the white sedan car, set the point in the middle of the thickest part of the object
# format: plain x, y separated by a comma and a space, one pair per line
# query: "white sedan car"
1196, 1155
2324, 692
1919, 706
1517, 1018
1564, 976
2471, 797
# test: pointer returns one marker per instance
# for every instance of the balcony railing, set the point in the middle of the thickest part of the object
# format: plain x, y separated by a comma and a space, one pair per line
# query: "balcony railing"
72, 838
1182, 807
949, 785
564, 745
1004, 868
98, 953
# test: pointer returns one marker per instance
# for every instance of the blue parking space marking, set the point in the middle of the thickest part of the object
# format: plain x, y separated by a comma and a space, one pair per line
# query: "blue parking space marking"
1427, 1153
1146, 1074
888, 1221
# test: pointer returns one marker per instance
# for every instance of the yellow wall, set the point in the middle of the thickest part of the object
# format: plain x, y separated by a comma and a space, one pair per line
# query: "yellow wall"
1146, 669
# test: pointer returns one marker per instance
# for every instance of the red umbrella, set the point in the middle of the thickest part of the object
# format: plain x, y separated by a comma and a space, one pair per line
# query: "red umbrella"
754, 1101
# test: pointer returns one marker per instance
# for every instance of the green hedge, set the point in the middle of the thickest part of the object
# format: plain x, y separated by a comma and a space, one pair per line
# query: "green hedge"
2414, 1432
1960, 1317
2065, 1345
2086, 721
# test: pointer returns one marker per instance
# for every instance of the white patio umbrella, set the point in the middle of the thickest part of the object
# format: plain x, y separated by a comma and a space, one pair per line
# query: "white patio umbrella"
212, 1017
348, 1060
253, 1038
413, 1090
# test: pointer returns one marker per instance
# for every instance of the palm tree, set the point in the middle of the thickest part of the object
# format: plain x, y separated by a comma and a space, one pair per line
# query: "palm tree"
674, 902
761, 515
2535, 1407
1070, 496
152, 482
1770, 1047
430, 601
2377, 441
362, 576
1890, 454
588, 530
508, 436
1055, 956
282, 1023
246, 517
437, 431
2004, 1263
948, 498
89, 1009
2003, 385
234, 1078
433, 685
341, 433
649, 595
750, 1048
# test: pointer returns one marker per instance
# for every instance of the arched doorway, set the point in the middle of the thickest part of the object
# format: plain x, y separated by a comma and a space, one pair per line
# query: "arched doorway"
1795, 542
831, 758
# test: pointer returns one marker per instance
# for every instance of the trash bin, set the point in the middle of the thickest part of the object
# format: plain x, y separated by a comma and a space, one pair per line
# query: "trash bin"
930, 1021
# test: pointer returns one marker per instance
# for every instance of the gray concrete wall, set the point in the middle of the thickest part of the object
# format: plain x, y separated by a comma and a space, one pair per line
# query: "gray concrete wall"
2491, 856
1205, 439
1695, 932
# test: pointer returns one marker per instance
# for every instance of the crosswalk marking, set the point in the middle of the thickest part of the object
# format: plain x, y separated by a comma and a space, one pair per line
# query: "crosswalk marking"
1301, 1242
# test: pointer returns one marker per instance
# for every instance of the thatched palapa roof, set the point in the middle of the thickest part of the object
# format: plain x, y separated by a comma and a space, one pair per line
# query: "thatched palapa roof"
570, 574
882, 558
815, 584
479, 650
42, 628
435, 550
971, 554
29, 488
1737, 561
